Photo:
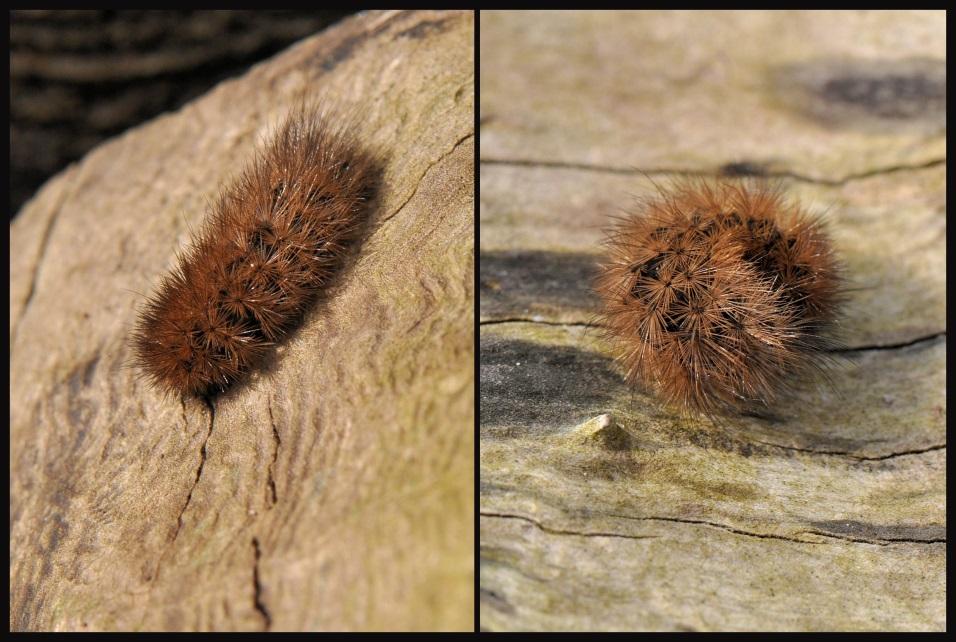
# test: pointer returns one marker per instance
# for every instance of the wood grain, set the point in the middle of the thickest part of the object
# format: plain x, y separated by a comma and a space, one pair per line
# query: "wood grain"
601, 510
335, 490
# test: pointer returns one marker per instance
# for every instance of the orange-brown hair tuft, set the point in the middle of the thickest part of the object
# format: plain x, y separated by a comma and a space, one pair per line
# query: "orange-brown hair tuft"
717, 292
275, 239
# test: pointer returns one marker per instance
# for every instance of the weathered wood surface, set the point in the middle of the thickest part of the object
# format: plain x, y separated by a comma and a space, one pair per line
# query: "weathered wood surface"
335, 489
602, 510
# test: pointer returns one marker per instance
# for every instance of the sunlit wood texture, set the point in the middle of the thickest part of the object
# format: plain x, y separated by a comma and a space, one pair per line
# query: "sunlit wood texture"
601, 510
335, 489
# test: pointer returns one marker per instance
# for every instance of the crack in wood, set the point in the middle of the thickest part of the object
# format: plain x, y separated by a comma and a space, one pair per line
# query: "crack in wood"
902, 453
737, 531
611, 169
257, 587
892, 346
575, 324
425, 173
839, 453
41, 256
556, 531
182, 406
881, 542
275, 456
730, 529
189, 496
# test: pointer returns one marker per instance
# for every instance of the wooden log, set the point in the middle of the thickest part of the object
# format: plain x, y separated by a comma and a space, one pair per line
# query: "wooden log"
332, 491
601, 510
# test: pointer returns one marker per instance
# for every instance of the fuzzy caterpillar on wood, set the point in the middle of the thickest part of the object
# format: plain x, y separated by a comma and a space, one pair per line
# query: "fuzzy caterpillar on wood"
717, 292
274, 240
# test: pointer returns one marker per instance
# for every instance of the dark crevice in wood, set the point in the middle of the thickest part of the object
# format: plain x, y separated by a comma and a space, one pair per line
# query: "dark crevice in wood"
275, 456
882, 542
576, 324
892, 346
418, 182
730, 529
556, 531
189, 496
610, 169
840, 453
847, 538
257, 588
202, 462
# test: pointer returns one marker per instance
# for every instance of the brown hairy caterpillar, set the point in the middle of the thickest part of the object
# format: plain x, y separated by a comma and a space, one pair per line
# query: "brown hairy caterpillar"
273, 242
716, 293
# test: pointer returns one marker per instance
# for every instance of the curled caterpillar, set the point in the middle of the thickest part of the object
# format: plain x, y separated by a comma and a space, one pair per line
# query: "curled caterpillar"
274, 240
717, 292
